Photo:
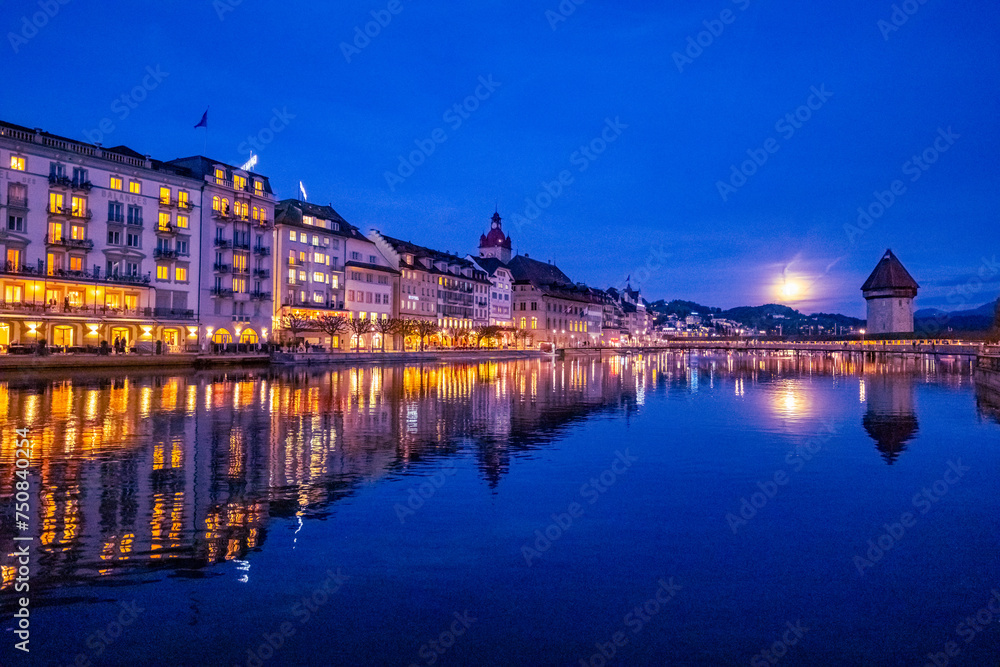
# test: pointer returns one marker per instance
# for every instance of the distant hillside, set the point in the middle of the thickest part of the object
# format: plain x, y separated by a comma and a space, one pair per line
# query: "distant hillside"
933, 320
681, 308
773, 314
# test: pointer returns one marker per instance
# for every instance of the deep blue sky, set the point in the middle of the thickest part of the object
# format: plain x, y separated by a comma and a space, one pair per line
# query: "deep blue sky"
650, 200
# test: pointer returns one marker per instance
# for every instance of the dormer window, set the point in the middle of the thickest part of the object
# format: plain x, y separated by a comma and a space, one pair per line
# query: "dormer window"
240, 182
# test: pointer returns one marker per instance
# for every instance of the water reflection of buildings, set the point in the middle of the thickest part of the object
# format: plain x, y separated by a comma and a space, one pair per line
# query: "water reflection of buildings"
183, 471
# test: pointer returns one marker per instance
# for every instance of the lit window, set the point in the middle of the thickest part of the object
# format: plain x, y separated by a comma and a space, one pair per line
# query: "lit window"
182, 198
216, 203
162, 272
77, 233
164, 195
239, 285
258, 186
116, 183
220, 176
182, 221
55, 202
135, 187
240, 182
164, 221
79, 206
76, 263
16, 163
181, 274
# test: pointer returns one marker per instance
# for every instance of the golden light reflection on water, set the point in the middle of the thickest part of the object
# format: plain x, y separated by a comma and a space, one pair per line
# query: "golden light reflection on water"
142, 469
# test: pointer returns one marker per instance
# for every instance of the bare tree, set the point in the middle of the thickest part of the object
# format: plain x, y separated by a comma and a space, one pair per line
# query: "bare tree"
485, 332
296, 324
422, 328
332, 325
389, 326
359, 327
521, 335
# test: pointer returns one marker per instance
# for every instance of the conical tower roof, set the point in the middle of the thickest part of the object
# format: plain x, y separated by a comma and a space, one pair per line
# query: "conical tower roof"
890, 274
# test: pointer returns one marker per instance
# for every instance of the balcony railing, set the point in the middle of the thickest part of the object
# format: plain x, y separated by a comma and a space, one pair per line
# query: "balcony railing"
222, 215
262, 251
184, 205
17, 202
90, 309
40, 272
263, 274
86, 186
60, 181
224, 244
222, 292
164, 253
221, 268
167, 203
241, 246
260, 296
116, 219
241, 270
83, 244
135, 222
165, 229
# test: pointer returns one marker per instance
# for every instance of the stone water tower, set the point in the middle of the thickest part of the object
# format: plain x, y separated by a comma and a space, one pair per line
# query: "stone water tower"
890, 291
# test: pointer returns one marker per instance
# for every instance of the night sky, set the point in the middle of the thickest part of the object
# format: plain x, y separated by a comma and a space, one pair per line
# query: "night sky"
663, 120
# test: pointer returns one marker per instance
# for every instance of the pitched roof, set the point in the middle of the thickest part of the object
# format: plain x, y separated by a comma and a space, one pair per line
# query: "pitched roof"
890, 274
490, 264
540, 273
291, 212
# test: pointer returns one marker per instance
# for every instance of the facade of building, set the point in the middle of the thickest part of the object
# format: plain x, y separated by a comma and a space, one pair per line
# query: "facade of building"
890, 291
437, 283
311, 251
236, 224
551, 307
372, 286
500, 302
98, 245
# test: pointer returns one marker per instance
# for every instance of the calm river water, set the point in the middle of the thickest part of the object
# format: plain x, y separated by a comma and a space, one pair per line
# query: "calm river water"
666, 509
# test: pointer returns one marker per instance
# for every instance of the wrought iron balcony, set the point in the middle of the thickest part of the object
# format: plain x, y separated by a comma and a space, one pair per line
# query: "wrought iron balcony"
263, 274
223, 244
82, 244
165, 229
222, 292
114, 219
221, 268
260, 296
262, 251
86, 186
78, 213
241, 246
164, 253
60, 181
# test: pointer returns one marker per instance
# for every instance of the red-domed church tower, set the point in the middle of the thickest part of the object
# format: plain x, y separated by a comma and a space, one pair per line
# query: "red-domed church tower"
495, 244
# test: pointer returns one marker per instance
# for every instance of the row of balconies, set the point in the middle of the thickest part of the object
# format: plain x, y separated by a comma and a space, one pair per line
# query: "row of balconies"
176, 203
227, 293
41, 271
27, 308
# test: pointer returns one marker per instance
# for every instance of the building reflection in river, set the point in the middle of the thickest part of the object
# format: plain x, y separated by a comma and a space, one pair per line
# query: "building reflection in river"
186, 470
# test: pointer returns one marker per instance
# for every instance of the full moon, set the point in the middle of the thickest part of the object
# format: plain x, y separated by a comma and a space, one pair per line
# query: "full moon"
791, 289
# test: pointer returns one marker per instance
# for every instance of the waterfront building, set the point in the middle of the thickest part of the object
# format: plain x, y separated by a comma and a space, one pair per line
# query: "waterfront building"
890, 291
235, 222
99, 244
311, 256
372, 285
436, 285
549, 305
500, 305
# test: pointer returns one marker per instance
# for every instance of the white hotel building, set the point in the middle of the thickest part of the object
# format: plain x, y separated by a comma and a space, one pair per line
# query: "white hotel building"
96, 243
